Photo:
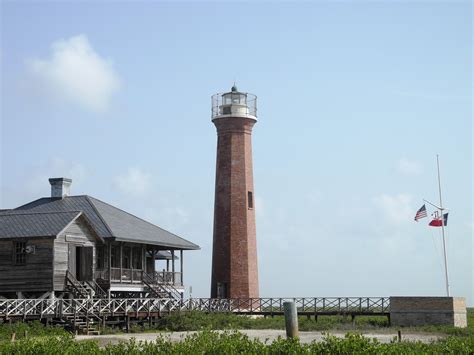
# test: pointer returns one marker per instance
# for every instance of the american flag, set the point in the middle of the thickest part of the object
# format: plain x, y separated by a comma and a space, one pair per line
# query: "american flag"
421, 213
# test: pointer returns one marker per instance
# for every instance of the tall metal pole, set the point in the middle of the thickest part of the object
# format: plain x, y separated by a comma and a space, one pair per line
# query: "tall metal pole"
442, 228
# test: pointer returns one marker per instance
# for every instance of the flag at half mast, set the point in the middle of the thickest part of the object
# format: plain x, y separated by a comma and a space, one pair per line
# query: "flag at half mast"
421, 213
438, 222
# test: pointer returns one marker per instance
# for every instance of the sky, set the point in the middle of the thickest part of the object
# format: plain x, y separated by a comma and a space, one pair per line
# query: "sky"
355, 99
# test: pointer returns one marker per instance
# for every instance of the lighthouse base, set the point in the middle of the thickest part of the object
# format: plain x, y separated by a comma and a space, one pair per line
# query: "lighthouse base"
419, 311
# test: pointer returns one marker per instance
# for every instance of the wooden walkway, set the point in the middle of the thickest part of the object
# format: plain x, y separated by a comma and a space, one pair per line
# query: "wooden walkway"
139, 308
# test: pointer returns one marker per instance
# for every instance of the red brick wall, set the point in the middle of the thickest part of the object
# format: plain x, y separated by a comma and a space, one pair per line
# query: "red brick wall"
234, 258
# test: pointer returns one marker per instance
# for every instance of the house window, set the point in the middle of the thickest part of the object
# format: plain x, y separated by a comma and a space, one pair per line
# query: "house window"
137, 258
100, 257
115, 256
20, 253
126, 258
250, 199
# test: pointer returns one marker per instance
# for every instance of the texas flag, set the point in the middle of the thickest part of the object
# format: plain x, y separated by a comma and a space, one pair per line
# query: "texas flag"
438, 222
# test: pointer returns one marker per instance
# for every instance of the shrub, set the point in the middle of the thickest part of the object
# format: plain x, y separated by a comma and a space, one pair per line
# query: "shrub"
232, 342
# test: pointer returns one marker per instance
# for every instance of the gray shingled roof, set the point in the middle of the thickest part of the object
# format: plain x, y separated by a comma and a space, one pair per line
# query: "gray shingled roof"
19, 224
111, 222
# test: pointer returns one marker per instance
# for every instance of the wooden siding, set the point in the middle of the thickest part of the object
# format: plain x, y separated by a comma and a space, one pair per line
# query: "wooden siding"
76, 235
35, 275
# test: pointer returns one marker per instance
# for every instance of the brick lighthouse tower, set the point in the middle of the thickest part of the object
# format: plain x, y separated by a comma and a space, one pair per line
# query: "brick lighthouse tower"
234, 255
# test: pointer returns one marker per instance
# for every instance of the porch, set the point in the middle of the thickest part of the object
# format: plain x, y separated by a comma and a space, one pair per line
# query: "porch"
133, 264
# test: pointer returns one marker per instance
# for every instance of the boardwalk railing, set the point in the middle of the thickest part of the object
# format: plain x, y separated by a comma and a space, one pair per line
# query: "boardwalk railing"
58, 308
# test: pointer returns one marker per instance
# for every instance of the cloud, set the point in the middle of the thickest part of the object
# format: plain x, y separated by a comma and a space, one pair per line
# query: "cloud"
75, 73
56, 167
409, 167
134, 182
170, 218
32, 181
396, 209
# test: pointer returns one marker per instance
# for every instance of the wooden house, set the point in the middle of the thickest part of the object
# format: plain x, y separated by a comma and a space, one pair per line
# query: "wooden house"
79, 246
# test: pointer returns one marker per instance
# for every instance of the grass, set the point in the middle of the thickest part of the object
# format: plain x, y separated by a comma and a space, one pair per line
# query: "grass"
202, 321
29, 329
199, 321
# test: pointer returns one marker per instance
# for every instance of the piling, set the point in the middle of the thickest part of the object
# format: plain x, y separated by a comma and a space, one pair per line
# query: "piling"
291, 319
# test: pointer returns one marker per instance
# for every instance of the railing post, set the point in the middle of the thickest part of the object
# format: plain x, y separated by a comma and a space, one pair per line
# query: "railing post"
75, 313
87, 317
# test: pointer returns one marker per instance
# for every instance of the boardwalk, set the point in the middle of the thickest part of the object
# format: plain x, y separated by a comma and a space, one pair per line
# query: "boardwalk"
156, 307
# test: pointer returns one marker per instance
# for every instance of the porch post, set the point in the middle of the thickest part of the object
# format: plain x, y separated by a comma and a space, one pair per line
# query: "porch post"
109, 255
154, 266
167, 265
121, 261
143, 259
131, 262
181, 265
172, 264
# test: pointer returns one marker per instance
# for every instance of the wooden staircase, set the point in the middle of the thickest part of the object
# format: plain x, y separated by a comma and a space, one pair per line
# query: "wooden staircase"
84, 289
83, 324
78, 289
161, 290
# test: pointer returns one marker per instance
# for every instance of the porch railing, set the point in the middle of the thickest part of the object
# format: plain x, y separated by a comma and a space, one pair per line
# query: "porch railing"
167, 277
135, 276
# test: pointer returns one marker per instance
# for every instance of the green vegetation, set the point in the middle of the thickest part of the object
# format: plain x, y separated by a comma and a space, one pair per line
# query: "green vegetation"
208, 342
42, 339
199, 321
202, 321
30, 329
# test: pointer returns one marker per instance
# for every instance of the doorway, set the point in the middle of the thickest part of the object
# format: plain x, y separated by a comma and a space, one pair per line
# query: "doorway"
83, 267
221, 290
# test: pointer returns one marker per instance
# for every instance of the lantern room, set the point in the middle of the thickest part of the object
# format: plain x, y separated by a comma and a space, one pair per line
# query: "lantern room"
234, 104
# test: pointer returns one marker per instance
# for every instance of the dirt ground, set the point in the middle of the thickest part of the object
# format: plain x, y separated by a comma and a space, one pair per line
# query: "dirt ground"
263, 334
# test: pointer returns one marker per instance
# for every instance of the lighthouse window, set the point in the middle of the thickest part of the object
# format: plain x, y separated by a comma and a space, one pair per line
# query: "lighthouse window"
250, 199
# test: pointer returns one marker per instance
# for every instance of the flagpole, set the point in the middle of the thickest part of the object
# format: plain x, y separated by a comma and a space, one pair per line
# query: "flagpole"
442, 229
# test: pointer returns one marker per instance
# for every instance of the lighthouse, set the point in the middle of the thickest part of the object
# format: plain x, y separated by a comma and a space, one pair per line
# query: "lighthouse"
234, 253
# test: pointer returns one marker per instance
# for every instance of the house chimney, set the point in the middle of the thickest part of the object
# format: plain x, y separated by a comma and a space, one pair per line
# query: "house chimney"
60, 187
